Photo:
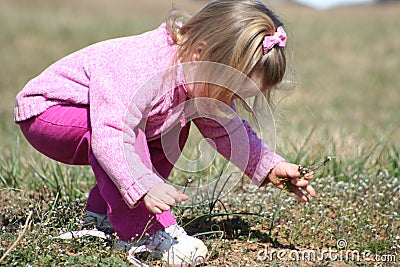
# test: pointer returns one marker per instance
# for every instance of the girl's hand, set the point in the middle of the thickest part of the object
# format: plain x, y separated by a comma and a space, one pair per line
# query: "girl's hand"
161, 197
286, 176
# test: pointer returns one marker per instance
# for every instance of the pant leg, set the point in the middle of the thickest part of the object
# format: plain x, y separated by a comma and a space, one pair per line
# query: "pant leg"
95, 202
164, 153
63, 134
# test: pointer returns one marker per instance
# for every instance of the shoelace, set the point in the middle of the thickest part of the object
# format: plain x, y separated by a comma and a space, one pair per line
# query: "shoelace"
175, 231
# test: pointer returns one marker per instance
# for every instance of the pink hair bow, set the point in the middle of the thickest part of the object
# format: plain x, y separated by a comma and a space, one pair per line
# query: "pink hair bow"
279, 38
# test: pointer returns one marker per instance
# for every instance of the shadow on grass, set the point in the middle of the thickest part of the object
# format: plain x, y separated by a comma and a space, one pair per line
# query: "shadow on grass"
233, 227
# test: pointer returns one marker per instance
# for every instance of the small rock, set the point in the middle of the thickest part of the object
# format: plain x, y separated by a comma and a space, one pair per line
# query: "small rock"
3, 220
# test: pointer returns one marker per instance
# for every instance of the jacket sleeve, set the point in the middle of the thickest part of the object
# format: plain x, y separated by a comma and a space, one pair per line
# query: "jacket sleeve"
115, 119
238, 142
125, 78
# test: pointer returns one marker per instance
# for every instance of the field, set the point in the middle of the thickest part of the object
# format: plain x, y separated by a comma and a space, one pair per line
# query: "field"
346, 104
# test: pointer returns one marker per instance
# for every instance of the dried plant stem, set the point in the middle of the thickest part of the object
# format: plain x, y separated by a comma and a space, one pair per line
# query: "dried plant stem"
28, 223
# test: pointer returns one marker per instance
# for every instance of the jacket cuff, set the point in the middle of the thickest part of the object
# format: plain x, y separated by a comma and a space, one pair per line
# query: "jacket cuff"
137, 190
260, 177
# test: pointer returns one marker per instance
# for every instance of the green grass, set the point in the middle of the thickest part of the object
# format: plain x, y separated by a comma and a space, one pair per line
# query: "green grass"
346, 105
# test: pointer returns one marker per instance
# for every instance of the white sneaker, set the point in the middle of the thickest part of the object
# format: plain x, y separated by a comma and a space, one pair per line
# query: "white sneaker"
172, 245
100, 221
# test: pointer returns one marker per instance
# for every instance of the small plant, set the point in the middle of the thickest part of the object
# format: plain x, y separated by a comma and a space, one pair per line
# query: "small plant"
288, 186
304, 170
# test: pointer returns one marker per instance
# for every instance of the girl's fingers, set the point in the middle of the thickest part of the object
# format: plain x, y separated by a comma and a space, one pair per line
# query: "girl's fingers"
309, 175
178, 196
156, 210
167, 199
299, 182
300, 194
310, 190
302, 184
157, 205
293, 171
279, 185
162, 206
183, 196
289, 177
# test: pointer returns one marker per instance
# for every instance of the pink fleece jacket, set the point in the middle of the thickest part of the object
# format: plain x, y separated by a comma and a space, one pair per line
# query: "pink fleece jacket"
118, 79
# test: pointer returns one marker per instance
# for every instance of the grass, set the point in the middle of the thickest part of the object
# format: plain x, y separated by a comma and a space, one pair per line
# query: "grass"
345, 105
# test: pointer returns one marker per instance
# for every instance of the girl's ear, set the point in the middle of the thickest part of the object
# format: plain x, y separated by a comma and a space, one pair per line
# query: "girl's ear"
197, 51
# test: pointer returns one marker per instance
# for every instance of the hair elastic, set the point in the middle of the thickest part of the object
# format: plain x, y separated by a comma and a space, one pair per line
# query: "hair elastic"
279, 38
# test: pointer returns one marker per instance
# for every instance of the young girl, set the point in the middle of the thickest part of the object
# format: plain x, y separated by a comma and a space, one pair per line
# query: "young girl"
101, 106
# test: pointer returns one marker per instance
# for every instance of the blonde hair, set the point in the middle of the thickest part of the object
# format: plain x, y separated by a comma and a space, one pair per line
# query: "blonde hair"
233, 31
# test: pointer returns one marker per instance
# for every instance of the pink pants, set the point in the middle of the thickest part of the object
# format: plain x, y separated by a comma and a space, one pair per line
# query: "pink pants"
63, 134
